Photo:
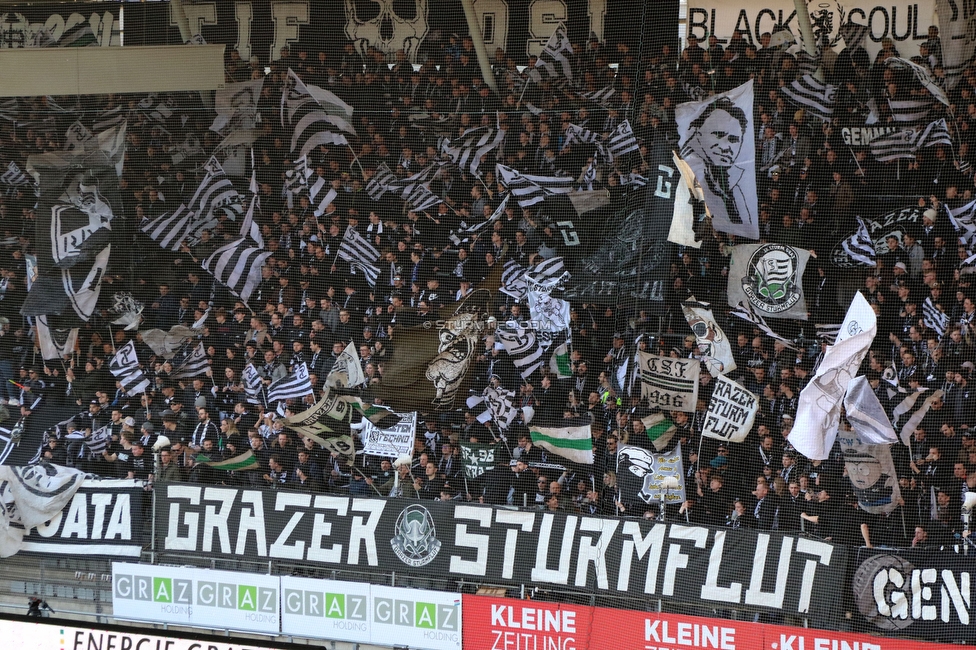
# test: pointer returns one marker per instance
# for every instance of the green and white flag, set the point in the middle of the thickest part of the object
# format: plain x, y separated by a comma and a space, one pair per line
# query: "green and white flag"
659, 430
240, 462
570, 439
559, 364
477, 459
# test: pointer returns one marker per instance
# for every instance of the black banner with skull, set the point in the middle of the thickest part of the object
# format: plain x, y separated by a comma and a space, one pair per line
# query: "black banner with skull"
419, 27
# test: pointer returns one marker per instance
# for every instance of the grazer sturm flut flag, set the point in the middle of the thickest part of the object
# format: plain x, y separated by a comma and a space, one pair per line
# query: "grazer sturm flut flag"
667, 383
731, 412
818, 410
769, 278
717, 140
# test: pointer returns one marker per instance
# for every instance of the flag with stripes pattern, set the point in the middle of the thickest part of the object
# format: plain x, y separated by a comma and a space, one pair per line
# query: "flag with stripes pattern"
860, 246
934, 318
556, 56
360, 254
125, 366
237, 266
190, 361
317, 119
530, 189
295, 385
467, 150
815, 97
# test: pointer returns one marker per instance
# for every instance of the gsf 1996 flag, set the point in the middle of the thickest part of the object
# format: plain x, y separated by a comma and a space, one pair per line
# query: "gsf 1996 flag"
670, 384
758, 570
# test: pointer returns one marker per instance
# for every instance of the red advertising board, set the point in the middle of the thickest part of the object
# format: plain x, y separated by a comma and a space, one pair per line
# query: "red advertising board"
510, 624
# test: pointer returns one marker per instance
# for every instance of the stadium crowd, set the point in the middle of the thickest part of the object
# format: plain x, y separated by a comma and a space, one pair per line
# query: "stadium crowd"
310, 304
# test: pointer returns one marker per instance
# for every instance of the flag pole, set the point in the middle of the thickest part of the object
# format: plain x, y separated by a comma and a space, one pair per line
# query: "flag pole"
355, 159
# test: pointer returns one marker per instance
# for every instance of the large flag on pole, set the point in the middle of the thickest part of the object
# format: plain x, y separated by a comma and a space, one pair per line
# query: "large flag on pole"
556, 56
717, 140
347, 371
295, 385
125, 366
818, 411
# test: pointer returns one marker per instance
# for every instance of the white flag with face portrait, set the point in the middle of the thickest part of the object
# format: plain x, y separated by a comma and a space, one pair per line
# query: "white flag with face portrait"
717, 140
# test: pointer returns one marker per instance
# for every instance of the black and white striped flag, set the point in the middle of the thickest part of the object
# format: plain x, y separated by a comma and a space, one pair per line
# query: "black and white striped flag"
557, 54
109, 119
252, 383
513, 280
383, 181
295, 385
922, 75
171, 229
813, 96
807, 63
321, 194
99, 440
296, 178
905, 143
360, 254
215, 197
496, 404
548, 272
827, 332
853, 33
522, 346
934, 318
601, 96
529, 189
634, 179
621, 141
860, 246
318, 119
744, 311
575, 133
190, 362
467, 150
125, 366
420, 198
910, 110
237, 266
14, 176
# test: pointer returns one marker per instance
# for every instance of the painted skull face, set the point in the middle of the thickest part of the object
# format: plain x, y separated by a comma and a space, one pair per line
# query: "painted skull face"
387, 25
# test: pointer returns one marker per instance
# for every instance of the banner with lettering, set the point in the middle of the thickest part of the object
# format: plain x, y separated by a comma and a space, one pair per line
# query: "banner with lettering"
905, 23
731, 412
680, 562
668, 383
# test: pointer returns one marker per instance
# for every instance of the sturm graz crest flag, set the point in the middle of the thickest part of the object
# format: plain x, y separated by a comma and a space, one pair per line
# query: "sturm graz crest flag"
633, 260
769, 277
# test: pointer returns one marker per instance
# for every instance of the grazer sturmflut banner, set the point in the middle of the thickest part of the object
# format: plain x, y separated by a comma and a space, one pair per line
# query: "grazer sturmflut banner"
674, 562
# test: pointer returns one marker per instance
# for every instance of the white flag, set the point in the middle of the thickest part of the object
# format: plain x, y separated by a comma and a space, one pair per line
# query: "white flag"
713, 344
346, 371
818, 411
866, 414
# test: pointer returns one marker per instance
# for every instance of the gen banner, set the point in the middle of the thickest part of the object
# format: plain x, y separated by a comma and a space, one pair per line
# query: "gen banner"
755, 570
364, 613
917, 592
104, 518
196, 597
